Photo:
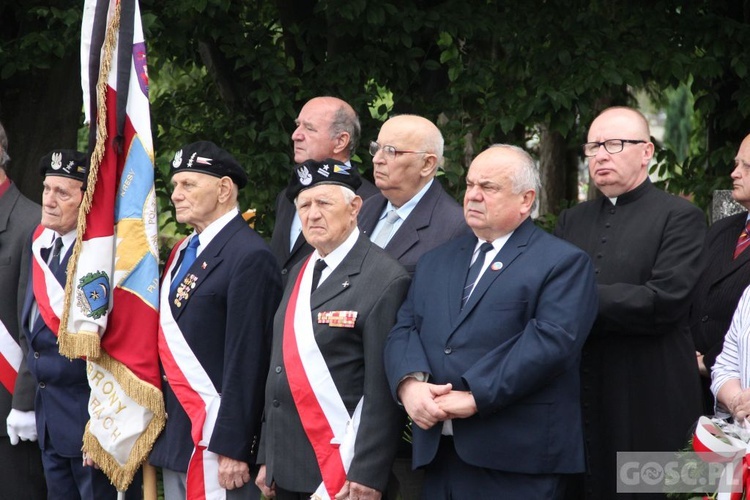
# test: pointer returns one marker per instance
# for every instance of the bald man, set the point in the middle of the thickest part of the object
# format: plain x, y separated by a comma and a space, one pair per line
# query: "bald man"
327, 127
412, 214
725, 277
640, 384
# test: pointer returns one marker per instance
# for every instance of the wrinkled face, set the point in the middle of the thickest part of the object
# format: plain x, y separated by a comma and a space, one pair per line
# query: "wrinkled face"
400, 178
327, 219
618, 173
196, 198
741, 174
312, 137
491, 208
61, 199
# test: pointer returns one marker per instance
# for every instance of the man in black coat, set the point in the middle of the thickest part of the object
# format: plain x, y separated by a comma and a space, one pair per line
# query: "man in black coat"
725, 277
18, 218
327, 127
406, 158
640, 383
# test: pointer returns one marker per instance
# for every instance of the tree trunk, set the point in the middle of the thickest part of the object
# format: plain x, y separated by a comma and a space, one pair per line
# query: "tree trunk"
552, 170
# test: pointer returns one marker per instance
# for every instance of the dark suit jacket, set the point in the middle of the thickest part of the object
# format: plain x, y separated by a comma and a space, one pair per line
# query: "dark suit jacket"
718, 290
227, 321
515, 345
280, 238
437, 218
18, 218
62, 389
639, 360
376, 287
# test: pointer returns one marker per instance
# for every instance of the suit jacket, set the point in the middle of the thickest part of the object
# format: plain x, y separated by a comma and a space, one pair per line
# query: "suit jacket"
515, 345
62, 388
376, 287
437, 218
639, 361
285, 211
18, 218
227, 321
717, 292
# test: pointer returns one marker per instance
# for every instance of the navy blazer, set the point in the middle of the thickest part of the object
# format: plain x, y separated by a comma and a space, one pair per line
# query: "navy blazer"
437, 218
280, 238
62, 394
228, 322
515, 345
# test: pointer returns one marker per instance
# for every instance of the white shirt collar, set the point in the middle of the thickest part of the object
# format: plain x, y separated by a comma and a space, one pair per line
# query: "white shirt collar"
335, 258
214, 228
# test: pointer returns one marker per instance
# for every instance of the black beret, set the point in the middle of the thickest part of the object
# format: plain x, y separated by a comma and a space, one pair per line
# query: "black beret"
65, 163
208, 158
329, 171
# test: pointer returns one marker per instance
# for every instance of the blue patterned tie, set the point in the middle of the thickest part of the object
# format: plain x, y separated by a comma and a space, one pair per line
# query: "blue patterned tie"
54, 261
474, 270
187, 261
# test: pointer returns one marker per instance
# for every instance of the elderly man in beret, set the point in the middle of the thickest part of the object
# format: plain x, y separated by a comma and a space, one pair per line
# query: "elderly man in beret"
331, 430
220, 289
62, 389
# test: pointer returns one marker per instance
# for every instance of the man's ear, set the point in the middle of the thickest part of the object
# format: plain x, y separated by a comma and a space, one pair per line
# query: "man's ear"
342, 142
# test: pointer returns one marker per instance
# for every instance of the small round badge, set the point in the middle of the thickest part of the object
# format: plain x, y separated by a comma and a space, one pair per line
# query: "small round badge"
496, 266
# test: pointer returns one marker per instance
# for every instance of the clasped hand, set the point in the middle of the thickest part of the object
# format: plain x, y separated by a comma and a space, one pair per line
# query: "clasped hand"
427, 404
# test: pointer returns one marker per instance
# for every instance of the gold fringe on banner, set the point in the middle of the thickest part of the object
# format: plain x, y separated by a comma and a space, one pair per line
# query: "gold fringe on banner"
146, 395
84, 343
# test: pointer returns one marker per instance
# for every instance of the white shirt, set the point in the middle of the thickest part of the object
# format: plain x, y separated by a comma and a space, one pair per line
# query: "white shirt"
335, 258
403, 212
210, 232
734, 360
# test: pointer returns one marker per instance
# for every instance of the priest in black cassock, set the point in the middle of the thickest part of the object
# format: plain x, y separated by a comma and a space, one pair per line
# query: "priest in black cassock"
640, 382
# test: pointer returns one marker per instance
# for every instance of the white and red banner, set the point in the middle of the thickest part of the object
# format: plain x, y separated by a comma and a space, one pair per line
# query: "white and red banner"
10, 359
111, 309
196, 393
328, 426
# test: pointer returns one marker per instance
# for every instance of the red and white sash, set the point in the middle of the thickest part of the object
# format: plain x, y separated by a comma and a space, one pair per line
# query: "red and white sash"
10, 359
196, 393
48, 292
324, 417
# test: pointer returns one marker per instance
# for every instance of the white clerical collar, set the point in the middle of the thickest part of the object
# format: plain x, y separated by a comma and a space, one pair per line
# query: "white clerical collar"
335, 258
213, 229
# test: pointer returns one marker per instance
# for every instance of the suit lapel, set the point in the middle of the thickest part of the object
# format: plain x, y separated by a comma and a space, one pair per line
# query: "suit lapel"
514, 247
340, 279
6, 202
408, 234
285, 216
369, 218
208, 260
727, 241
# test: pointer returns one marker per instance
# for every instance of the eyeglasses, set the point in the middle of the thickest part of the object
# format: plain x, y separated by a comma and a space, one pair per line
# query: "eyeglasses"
612, 146
390, 152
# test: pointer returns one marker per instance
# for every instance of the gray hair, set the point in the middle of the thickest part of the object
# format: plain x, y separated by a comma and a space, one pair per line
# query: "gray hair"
4, 156
346, 120
525, 175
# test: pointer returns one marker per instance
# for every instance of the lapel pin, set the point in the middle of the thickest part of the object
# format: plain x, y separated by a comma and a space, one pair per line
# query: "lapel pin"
496, 266
204, 265
345, 284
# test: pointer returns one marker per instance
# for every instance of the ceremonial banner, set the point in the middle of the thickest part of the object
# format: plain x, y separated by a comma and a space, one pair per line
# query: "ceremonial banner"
111, 304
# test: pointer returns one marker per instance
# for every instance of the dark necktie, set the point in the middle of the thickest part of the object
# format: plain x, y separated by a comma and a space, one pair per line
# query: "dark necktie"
54, 260
743, 241
320, 264
187, 261
474, 270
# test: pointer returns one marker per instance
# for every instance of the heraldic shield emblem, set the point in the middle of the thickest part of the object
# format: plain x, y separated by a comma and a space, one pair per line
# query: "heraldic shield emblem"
93, 294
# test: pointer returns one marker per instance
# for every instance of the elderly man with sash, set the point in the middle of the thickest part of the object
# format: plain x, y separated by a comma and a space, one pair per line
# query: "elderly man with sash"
62, 393
220, 289
331, 430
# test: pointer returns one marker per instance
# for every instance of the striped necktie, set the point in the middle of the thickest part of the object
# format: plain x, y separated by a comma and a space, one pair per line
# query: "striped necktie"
743, 241
473, 276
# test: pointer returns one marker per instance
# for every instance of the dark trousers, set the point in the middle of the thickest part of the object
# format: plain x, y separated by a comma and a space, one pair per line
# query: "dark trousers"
21, 471
449, 477
68, 479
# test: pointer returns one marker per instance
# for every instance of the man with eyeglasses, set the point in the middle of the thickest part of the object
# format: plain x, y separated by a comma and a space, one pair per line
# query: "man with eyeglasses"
327, 127
640, 387
412, 213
